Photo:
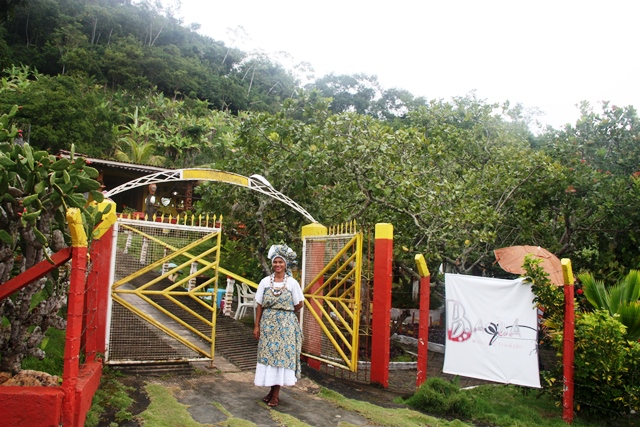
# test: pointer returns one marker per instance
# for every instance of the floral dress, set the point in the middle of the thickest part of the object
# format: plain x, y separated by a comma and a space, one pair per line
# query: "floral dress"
280, 337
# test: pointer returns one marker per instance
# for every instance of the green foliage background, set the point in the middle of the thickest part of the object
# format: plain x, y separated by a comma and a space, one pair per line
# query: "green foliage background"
456, 178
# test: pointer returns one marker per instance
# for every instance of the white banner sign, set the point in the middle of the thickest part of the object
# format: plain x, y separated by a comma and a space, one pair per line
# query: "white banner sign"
491, 330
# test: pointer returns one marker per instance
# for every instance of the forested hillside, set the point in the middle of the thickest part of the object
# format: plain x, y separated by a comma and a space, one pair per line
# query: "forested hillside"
139, 48
456, 178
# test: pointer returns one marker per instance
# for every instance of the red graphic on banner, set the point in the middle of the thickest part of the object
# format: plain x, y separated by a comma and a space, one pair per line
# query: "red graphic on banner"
459, 327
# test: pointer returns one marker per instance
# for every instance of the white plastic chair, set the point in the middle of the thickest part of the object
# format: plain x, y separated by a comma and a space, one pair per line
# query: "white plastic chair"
246, 299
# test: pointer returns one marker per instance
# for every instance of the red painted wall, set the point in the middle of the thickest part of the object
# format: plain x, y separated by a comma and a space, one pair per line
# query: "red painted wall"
31, 406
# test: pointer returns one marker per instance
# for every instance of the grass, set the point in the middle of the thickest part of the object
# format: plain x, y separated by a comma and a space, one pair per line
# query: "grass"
385, 416
165, 410
53, 345
111, 396
404, 357
231, 421
287, 420
515, 406
499, 405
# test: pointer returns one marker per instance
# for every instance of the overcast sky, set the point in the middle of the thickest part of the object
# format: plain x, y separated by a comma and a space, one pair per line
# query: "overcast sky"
544, 54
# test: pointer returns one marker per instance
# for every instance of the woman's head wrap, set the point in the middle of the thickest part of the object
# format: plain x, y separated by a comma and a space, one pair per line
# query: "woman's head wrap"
286, 253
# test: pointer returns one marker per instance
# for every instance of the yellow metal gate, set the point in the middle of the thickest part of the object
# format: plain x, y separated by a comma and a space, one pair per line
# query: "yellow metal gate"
331, 276
164, 292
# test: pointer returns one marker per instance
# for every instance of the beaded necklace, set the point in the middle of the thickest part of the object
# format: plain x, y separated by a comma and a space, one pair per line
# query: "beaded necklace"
277, 291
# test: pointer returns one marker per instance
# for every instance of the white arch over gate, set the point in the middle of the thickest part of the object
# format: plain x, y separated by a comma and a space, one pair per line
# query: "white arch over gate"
254, 182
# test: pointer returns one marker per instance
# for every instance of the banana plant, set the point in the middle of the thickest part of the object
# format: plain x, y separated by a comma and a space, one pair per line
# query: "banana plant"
621, 300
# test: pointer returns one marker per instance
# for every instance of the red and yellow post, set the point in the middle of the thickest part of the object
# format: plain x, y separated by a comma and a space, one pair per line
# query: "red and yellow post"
381, 323
423, 331
98, 283
568, 342
75, 308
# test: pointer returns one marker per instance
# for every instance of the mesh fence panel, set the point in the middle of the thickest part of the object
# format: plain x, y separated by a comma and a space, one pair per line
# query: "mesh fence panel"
335, 306
177, 291
133, 339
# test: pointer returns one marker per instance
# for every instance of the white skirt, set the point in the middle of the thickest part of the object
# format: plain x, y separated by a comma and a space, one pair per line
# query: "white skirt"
267, 376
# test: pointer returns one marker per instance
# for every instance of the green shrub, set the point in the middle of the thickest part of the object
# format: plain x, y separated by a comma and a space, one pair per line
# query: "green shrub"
442, 386
438, 396
461, 405
605, 367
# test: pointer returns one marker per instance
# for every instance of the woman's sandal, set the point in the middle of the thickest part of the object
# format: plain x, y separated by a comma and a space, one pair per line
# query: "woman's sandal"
273, 402
267, 398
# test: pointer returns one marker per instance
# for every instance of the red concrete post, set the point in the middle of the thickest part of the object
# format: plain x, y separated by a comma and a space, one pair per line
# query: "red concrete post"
100, 279
98, 294
311, 329
75, 309
88, 339
423, 332
568, 342
381, 322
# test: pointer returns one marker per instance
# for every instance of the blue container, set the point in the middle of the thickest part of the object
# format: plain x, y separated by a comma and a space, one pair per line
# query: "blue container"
221, 294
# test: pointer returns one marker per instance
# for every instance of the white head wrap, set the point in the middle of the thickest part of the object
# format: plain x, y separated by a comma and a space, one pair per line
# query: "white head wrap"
286, 253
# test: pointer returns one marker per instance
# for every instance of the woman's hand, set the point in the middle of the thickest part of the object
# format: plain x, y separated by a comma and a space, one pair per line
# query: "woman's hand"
256, 331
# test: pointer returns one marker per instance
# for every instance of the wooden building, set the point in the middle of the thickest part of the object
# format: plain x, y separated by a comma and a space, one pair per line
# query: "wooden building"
173, 197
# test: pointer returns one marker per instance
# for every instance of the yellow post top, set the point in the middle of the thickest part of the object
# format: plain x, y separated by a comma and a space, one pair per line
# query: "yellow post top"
315, 229
384, 231
107, 220
423, 270
76, 228
567, 274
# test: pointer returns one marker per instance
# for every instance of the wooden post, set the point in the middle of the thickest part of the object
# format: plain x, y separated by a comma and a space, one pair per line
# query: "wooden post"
423, 332
381, 323
568, 342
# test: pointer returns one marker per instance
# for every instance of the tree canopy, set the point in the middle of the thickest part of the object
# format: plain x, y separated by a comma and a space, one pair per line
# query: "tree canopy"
457, 178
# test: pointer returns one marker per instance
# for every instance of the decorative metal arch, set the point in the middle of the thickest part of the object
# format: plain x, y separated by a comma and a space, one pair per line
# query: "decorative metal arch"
254, 182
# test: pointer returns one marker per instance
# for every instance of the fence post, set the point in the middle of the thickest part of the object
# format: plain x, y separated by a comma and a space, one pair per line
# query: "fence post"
98, 282
381, 322
423, 332
568, 342
75, 308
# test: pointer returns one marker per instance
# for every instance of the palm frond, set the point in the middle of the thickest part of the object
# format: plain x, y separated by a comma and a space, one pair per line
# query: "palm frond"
595, 291
630, 317
621, 299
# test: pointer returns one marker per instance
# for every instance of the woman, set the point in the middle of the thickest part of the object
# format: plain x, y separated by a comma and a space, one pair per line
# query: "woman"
279, 297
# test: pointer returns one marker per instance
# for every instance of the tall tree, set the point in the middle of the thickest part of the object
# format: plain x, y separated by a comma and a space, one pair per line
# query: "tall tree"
589, 209
8, 8
355, 93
